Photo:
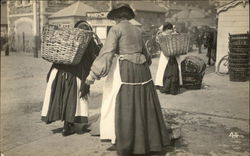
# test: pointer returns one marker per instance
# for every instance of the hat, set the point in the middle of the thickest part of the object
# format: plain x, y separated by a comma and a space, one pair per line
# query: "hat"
167, 25
121, 7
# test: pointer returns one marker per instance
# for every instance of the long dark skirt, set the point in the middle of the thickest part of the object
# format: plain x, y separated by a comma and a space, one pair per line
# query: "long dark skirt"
63, 99
171, 80
139, 122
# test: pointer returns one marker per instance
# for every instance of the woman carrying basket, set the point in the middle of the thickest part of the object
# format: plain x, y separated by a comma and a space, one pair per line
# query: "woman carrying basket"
131, 115
63, 100
168, 76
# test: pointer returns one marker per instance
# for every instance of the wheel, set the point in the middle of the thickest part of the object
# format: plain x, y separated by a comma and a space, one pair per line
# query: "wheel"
148, 46
222, 67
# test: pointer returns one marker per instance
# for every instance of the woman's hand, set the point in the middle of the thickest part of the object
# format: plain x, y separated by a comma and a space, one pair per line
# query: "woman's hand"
85, 87
84, 90
89, 80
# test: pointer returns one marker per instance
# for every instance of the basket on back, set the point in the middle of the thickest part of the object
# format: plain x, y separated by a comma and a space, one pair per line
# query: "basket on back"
64, 45
174, 44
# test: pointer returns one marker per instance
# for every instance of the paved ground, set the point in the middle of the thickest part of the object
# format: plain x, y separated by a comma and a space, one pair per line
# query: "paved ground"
207, 116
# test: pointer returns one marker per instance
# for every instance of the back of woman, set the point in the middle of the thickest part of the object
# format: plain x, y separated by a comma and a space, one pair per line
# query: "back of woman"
130, 43
168, 76
131, 114
63, 100
130, 37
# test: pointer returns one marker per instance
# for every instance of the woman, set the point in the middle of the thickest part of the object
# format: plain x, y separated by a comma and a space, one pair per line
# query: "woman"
168, 76
65, 82
131, 114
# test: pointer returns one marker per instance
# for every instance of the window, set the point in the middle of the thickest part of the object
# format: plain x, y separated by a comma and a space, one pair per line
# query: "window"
64, 1
26, 3
21, 3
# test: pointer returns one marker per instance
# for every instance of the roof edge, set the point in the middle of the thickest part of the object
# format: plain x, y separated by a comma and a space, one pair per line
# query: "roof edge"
230, 5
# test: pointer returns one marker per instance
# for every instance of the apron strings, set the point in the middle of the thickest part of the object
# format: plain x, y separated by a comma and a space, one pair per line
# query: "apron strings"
139, 83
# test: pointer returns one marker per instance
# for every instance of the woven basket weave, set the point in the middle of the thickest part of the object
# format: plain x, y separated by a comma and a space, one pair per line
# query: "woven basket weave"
174, 44
64, 45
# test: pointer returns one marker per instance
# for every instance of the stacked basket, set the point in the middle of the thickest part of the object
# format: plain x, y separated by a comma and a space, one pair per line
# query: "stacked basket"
239, 57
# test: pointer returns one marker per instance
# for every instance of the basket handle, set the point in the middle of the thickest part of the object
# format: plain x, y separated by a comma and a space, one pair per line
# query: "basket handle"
96, 38
86, 24
90, 28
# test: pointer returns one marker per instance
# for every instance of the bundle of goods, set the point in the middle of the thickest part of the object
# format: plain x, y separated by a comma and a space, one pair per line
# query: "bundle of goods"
239, 57
192, 70
174, 44
64, 45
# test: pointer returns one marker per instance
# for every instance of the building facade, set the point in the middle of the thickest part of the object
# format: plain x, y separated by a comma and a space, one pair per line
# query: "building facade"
25, 21
4, 23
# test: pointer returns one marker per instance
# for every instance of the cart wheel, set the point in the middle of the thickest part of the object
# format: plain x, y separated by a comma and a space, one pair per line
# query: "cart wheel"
147, 45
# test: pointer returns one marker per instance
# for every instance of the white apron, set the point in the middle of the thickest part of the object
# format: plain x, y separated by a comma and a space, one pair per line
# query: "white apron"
111, 89
161, 69
81, 106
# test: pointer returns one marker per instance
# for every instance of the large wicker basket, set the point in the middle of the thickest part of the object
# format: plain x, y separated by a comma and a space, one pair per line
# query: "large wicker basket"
174, 44
64, 45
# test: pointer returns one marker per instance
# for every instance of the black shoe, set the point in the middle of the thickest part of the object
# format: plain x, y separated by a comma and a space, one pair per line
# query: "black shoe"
112, 148
68, 129
68, 132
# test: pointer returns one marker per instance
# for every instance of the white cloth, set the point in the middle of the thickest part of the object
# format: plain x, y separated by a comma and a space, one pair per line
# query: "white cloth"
111, 88
163, 61
81, 106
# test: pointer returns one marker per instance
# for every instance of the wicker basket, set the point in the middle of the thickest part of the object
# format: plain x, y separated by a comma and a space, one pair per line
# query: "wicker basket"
174, 44
239, 40
239, 50
238, 74
192, 80
64, 45
236, 60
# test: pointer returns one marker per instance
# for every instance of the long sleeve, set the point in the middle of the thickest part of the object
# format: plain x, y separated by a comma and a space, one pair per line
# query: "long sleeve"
89, 57
102, 64
146, 53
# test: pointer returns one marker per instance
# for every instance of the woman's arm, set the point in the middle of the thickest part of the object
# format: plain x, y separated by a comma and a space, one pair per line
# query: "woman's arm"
101, 66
